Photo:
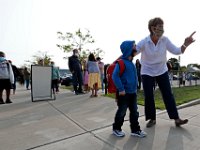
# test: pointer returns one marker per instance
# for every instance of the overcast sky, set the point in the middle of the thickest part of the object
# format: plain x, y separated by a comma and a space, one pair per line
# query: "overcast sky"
29, 26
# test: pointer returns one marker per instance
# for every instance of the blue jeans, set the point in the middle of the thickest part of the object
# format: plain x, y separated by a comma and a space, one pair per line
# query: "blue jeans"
166, 92
124, 102
27, 81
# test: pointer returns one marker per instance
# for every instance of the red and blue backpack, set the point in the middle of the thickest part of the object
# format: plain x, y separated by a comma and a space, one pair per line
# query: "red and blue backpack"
111, 86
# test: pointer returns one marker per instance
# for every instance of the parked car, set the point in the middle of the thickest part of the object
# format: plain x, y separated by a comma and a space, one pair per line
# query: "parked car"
194, 77
66, 80
175, 77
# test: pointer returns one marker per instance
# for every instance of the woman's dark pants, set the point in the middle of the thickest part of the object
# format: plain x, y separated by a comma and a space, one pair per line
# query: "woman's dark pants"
166, 92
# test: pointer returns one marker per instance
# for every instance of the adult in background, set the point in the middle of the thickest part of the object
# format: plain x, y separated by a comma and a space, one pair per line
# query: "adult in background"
85, 76
75, 68
41, 62
170, 72
55, 77
138, 68
153, 51
184, 77
16, 74
6, 78
101, 68
26, 77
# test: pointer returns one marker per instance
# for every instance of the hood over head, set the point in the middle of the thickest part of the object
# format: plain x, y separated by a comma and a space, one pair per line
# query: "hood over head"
127, 48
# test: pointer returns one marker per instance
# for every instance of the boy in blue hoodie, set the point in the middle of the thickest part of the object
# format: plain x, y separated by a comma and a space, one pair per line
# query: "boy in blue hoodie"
127, 88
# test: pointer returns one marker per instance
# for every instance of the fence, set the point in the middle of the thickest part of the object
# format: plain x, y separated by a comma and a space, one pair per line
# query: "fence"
180, 78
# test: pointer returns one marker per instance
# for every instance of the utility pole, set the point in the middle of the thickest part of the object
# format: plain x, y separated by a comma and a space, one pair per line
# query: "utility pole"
179, 69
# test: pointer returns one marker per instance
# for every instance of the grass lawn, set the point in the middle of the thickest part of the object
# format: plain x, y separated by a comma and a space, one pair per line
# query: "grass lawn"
67, 87
182, 95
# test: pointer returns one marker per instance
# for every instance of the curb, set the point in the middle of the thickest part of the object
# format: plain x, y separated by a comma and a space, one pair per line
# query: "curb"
189, 104
192, 103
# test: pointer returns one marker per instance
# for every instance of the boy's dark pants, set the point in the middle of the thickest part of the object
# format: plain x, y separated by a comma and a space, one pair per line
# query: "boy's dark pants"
124, 102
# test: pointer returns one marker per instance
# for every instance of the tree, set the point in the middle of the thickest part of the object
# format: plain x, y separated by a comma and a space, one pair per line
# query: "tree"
193, 65
193, 68
183, 68
41, 57
175, 63
78, 40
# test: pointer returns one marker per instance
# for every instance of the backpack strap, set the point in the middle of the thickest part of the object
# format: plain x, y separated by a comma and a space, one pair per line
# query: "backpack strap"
121, 66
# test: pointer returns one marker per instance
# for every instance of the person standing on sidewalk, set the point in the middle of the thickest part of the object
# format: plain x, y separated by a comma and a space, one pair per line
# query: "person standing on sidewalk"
101, 68
6, 78
16, 74
55, 77
126, 85
184, 78
27, 75
85, 76
75, 68
94, 81
138, 68
153, 51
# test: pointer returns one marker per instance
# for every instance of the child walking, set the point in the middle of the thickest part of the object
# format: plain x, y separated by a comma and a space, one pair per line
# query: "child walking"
126, 85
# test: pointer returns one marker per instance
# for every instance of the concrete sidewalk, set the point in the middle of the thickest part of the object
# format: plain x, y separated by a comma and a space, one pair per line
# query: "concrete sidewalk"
77, 122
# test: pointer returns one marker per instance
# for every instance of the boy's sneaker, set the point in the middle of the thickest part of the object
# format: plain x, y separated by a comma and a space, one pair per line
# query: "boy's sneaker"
118, 133
139, 133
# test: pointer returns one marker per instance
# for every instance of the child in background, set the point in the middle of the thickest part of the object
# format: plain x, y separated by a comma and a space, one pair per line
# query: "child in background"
94, 81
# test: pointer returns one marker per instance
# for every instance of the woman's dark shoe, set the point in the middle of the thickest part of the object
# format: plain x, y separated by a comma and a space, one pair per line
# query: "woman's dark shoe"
179, 122
1, 101
151, 123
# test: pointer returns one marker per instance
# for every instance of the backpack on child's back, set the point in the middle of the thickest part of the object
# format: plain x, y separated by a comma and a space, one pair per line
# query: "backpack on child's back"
111, 86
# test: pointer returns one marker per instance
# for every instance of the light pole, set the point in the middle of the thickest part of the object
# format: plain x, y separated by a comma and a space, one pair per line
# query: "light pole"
179, 73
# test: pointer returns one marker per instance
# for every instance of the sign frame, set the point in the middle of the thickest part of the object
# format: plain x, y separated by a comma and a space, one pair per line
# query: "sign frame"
41, 83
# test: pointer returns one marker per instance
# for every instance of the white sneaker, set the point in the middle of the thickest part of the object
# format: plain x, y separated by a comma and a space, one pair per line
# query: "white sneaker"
118, 133
139, 133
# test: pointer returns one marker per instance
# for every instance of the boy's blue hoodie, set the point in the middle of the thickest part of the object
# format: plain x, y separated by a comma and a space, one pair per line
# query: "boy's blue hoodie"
128, 80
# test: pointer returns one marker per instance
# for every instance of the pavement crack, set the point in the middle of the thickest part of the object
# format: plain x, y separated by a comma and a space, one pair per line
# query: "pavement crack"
68, 117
